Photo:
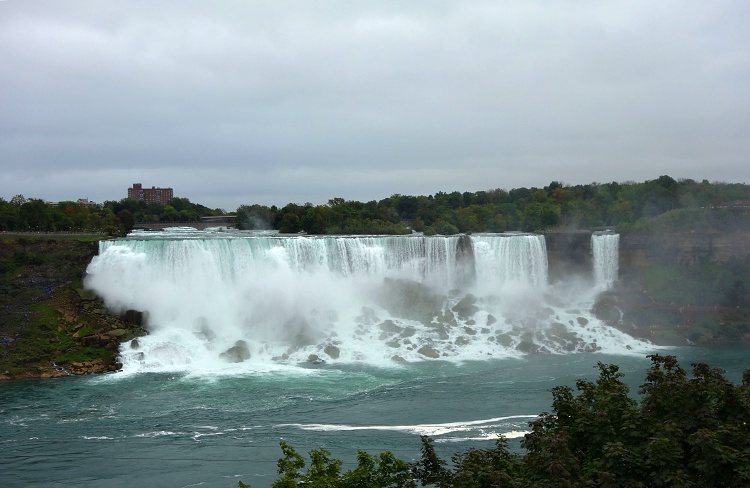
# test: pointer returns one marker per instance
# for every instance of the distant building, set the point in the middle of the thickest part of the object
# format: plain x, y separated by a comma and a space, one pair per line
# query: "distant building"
150, 195
83, 202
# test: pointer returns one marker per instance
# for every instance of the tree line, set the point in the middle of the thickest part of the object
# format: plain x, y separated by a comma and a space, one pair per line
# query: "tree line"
685, 432
111, 217
660, 203
627, 206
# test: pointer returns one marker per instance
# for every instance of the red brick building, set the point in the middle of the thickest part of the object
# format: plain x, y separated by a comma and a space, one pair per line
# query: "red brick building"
150, 195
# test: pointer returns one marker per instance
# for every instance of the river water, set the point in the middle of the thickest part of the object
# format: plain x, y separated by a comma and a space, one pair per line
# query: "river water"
186, 429
342, 343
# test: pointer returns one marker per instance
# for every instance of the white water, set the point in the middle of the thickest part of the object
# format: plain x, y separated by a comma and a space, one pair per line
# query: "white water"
377, 300
605, 247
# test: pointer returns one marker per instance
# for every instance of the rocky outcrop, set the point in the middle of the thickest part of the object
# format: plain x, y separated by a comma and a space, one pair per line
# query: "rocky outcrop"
52, 326
236, 354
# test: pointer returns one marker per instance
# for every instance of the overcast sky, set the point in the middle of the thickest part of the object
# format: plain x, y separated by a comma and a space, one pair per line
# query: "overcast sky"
241, 102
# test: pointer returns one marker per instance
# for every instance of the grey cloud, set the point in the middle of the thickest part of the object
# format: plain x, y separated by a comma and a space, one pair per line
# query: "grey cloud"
272, 102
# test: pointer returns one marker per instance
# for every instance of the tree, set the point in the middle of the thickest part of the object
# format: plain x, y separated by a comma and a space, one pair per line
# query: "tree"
126, 220
685, 432
18, 200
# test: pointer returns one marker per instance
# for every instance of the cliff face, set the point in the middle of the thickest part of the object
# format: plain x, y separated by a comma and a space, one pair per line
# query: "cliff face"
49, 326
685, 248
570, 252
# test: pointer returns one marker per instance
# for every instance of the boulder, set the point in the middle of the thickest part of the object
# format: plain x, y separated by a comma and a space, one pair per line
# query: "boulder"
429, 352
408, 331
466, 308
237, 353
389, 326
134, 317
332, 351
409, 299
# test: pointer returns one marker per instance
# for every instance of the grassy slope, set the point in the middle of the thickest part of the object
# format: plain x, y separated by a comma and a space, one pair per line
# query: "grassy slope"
45, 318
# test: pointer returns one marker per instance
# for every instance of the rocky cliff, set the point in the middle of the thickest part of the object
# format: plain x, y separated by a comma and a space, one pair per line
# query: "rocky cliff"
50, 326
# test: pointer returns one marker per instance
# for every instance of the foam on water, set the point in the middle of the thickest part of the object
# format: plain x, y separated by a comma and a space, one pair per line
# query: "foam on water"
443, 432
231, 302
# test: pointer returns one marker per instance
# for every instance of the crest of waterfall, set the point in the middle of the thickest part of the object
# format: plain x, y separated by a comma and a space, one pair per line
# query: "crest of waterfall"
511, 258
605, 247
214, 300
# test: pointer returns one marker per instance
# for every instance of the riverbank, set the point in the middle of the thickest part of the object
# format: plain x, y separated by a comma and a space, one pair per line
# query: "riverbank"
49, 326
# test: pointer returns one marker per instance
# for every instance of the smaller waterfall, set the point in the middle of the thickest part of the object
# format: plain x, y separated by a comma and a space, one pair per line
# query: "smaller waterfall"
605, 247
511, 258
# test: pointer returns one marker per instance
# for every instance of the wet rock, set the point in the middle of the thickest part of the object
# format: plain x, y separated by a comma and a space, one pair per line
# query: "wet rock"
470, 331
461, 341
545, 312
314, 359
505, 339
332, 351
389, 326
429, 352
527, 346
606, 309
449, 318
117, 333
409, 299
134, 317
440, 330
237, 353
398, 359
491, 319
582, 321
134, 344
591, 347
466, 307
408, 332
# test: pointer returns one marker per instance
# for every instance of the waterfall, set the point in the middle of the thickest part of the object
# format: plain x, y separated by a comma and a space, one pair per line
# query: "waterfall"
605, 247
511, 258
214, 299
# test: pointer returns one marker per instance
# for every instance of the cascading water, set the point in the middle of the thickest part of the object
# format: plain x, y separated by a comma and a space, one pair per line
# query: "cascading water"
605, 247
229, 301
511, 258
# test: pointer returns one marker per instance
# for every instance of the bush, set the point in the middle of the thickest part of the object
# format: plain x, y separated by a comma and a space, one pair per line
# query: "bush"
686, 432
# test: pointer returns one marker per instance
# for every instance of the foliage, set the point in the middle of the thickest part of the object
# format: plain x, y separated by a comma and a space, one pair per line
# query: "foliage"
685, 432
659, 205
35, 215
